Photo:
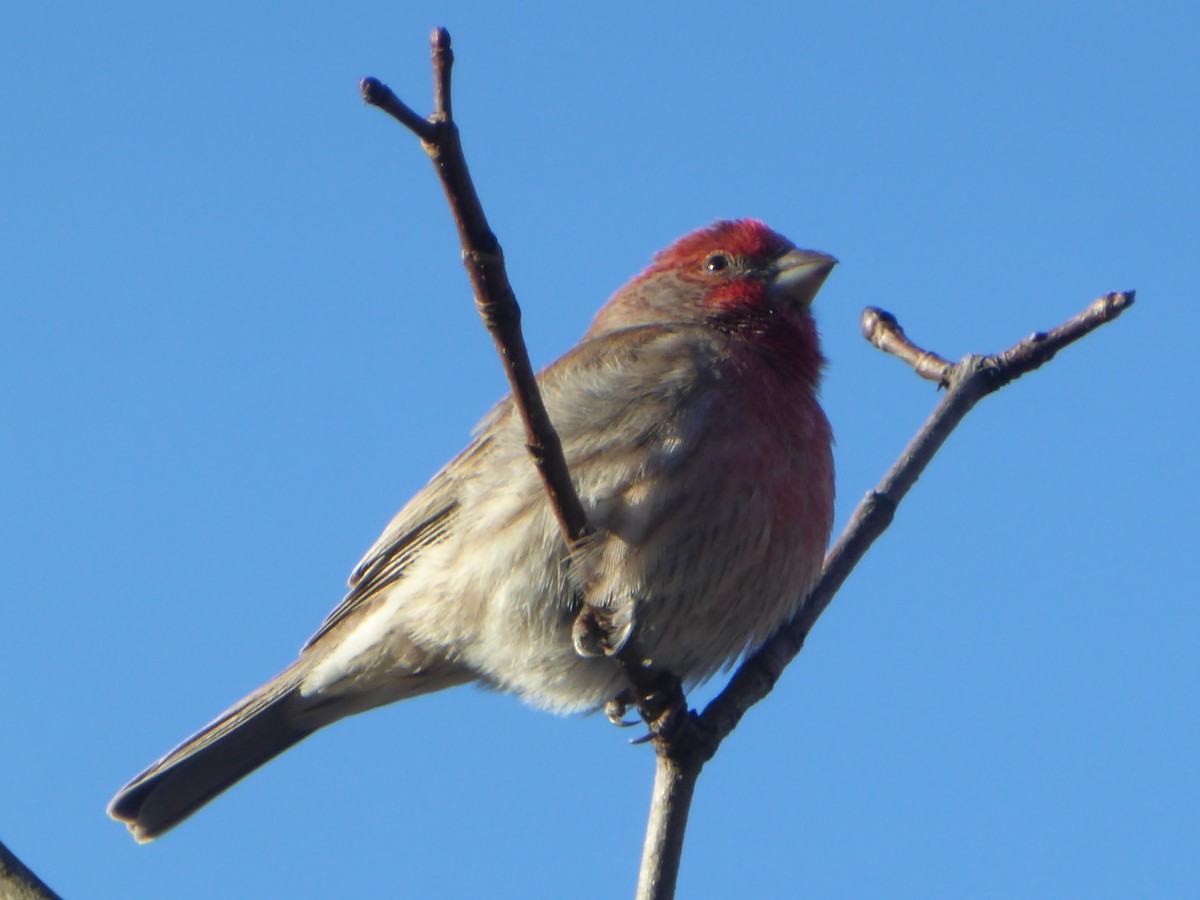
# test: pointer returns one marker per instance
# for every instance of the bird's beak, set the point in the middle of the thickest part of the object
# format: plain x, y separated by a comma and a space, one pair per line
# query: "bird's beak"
798, 274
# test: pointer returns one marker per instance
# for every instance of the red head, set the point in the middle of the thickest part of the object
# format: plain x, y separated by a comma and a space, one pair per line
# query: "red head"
734, 274
738, 276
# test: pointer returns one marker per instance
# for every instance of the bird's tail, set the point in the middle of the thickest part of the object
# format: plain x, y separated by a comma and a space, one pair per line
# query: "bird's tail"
250, 733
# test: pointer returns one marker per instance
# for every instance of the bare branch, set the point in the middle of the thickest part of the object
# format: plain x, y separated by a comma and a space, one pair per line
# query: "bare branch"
656, 693
484, 262
968, 382
662, 850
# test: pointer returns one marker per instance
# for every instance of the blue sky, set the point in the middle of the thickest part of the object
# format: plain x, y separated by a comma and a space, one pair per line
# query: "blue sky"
236, 337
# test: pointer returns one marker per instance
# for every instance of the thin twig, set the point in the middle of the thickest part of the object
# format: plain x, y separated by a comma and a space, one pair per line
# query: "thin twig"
968, 382
484, 262
656, 693
376, 93
443, 62
882, 330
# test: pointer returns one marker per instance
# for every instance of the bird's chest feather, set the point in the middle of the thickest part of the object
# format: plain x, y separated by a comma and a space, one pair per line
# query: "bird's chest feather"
723, 535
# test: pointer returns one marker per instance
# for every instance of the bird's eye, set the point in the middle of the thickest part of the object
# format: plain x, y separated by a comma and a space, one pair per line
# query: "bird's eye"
717, 262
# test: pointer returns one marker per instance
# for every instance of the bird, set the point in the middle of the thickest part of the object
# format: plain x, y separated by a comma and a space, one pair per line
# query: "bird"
691, 424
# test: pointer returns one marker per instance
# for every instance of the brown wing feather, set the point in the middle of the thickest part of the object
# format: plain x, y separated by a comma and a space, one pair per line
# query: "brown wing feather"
387, 563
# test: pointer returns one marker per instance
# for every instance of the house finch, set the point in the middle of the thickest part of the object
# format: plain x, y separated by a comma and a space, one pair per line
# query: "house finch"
689, 419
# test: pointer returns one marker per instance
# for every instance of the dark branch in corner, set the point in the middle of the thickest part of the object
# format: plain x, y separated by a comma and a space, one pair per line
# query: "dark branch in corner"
17, 881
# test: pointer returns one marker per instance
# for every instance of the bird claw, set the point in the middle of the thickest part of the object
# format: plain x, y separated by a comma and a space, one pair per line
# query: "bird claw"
615, 709
665, 725
667, 709
601, 631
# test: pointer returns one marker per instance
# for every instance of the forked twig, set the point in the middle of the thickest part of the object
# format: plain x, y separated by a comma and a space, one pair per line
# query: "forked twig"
968, 382
484, 262
657, 693
682, 755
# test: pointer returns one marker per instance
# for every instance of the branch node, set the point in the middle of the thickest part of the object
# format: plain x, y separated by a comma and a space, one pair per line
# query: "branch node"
880, 503
484, 257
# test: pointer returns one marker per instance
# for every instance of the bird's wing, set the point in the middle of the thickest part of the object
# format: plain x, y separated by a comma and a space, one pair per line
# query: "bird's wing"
424, 521
609, 400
